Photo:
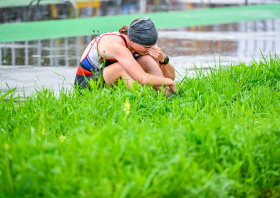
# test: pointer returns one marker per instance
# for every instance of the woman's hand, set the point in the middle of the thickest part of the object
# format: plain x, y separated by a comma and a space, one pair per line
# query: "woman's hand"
156, 53
172, 84
173, 87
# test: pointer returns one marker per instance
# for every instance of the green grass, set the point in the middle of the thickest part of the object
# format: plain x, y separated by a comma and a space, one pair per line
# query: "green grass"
219, 139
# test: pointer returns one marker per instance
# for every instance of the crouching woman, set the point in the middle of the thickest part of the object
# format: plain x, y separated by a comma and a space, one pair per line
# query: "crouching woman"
130, 54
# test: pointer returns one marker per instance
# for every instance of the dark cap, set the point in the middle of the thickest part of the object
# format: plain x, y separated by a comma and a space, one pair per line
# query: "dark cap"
143, 31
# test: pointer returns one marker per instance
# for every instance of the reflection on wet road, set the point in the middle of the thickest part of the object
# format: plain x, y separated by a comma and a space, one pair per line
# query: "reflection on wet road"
220, 44
201, 46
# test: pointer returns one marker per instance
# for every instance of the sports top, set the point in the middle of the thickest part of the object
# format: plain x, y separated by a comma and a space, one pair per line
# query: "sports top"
93, 60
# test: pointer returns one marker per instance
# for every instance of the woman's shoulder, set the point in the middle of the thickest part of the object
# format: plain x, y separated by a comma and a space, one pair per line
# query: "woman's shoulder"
110, 44
113, 38
114, 33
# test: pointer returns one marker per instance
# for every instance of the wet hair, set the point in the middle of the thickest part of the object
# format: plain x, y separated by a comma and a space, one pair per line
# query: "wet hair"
124, 29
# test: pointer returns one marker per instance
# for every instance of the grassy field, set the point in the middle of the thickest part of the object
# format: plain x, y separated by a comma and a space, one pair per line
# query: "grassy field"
219, 139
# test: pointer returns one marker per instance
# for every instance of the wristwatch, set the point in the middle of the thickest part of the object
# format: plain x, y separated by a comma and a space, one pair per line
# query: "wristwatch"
166, 61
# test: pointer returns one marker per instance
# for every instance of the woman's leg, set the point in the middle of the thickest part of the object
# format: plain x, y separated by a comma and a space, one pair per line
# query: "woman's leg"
151, 66
115, 71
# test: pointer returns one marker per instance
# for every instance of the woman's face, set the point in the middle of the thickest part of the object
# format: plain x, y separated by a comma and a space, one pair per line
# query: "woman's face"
140, 49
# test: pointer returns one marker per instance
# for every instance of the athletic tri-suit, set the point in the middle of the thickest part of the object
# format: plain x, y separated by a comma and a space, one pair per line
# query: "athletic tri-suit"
91, 67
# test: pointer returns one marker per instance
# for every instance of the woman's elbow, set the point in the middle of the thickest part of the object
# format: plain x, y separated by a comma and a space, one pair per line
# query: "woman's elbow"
173, 76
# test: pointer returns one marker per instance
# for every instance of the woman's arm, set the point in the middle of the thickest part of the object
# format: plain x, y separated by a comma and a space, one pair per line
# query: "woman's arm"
168, 69
124, 57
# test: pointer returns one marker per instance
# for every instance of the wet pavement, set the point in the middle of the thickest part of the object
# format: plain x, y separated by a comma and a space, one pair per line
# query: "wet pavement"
31, 64
27, 78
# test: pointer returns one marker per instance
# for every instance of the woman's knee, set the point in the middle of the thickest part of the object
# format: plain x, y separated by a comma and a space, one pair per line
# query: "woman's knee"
147, 61
150, 65
113, 73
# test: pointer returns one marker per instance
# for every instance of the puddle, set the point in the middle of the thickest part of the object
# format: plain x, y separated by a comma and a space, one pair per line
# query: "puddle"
220, 44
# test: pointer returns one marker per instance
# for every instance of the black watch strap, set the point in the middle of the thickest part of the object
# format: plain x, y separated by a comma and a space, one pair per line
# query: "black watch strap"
166, 61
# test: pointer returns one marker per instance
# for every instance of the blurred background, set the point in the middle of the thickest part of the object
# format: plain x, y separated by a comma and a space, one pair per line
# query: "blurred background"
198, 45
14, 11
